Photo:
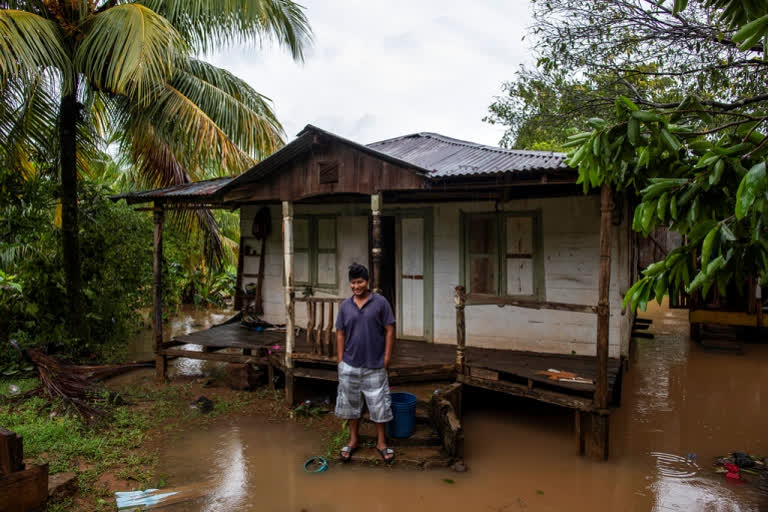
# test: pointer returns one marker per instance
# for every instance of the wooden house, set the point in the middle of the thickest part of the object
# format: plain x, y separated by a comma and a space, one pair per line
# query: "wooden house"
499, 268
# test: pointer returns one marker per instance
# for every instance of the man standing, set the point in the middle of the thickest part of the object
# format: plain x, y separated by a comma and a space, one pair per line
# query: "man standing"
365, 336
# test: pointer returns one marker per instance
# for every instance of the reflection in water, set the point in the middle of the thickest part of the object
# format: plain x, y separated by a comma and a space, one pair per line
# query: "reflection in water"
187, 319
678, 399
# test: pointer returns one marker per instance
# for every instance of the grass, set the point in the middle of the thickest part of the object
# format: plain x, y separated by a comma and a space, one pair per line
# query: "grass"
336, 441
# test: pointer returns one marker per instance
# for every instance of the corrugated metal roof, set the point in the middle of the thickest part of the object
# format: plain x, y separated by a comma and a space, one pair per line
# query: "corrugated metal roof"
186, 192
445, 157
437, 156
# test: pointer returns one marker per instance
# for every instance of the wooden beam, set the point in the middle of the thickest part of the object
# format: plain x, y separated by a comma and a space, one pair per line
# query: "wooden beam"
157, 293
214, 356
290, 313
603, 304
477, 299
376, 241
25, 490
11, 452
542, 395
460, 298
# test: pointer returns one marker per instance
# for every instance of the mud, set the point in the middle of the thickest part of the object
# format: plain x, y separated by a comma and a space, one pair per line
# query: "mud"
678, 400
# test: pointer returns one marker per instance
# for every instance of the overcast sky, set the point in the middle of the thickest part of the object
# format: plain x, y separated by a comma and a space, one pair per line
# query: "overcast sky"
382, 69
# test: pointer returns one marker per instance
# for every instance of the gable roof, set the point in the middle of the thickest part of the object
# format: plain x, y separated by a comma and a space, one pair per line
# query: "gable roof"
431, 155
444, 157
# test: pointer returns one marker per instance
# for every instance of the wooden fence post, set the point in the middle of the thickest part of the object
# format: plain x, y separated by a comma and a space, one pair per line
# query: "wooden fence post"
157, 295
376, 239
460, 299
597, 442
238, 305
290, 324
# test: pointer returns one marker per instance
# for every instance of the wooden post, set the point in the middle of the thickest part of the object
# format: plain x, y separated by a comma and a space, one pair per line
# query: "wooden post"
376, 239
238, 306
597, 445
157, 295
460, 298
290, 327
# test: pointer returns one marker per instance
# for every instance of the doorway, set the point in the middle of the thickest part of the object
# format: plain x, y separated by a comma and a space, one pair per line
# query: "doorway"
388, 260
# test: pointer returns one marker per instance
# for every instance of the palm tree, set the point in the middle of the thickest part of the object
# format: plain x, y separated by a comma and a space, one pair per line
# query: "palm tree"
72, 72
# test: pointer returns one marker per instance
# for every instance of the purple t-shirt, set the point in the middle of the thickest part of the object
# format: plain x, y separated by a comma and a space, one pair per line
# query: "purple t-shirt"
365, 331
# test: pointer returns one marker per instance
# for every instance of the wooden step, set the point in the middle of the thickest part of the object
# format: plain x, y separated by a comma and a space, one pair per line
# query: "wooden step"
416, 457
423, 435
316, 373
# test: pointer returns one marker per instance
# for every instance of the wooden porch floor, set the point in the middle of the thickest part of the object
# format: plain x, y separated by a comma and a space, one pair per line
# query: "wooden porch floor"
508, 371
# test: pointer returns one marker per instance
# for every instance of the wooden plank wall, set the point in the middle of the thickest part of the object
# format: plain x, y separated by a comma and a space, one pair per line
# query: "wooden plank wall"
358, 173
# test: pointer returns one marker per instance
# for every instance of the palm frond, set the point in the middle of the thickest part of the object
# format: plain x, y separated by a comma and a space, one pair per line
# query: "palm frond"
28, 122
210, 23
130, 50
29, 43
218, 116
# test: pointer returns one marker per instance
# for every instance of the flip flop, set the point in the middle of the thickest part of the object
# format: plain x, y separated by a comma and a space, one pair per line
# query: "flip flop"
346, 453
385, 452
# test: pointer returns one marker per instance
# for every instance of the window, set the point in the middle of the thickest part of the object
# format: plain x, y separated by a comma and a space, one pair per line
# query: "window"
314, 251
502, 254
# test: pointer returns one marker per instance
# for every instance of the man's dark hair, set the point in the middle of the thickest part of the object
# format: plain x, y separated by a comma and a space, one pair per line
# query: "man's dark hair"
357, 271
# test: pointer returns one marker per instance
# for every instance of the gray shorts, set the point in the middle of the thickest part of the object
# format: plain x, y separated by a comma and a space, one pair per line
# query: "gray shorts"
356, 383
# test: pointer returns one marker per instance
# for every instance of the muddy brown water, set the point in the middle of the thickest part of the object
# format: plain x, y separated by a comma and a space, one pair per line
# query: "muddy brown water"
678, 399
187, 319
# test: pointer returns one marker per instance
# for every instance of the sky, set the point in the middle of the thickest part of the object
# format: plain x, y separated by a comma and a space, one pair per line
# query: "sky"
378, 70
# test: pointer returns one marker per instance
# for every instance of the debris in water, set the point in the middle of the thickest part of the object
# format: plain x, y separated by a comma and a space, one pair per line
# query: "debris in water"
204, 404
449, 480
539, 492
738, 463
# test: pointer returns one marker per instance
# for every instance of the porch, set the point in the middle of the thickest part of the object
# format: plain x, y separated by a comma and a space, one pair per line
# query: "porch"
520, 373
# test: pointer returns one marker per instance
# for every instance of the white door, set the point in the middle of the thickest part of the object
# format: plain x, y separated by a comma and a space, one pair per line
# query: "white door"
414, 278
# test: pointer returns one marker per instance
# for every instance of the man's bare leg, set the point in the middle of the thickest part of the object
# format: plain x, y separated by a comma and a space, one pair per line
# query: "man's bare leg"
381, 439
354, 432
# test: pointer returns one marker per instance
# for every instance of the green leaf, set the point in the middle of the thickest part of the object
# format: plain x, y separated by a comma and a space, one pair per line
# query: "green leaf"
751, 33
673, 207
706, 247
714, 178
631, 106
661, 208
650, 209
727, 234
645, 116
749, 188
660, 287
633, 131
655, 268
669, 140
680, 5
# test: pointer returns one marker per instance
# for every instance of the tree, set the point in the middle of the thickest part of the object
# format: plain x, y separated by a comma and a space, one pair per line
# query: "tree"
698, 164
543, 106
589, 52
74, 71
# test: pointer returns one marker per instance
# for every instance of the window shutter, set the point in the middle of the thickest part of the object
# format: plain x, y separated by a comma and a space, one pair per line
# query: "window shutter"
482, 254
519, 255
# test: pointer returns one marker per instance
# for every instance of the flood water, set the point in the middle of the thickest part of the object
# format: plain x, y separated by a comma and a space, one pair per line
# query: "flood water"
187, 319
678, 399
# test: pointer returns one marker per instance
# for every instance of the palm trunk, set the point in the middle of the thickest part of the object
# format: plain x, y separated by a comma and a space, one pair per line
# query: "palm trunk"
69, 224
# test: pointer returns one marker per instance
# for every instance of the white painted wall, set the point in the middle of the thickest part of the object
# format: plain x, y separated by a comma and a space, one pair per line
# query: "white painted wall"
571, 244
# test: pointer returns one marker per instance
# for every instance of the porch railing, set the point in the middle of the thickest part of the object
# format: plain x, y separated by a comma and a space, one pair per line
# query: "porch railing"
321, 323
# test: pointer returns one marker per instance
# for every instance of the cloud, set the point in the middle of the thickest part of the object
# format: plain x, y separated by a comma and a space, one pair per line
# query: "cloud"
382, 69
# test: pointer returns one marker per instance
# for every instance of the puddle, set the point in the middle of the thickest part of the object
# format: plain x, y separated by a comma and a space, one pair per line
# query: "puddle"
678, 401
187, 319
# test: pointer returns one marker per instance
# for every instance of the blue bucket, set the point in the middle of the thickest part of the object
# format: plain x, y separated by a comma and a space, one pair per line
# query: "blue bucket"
404, 411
